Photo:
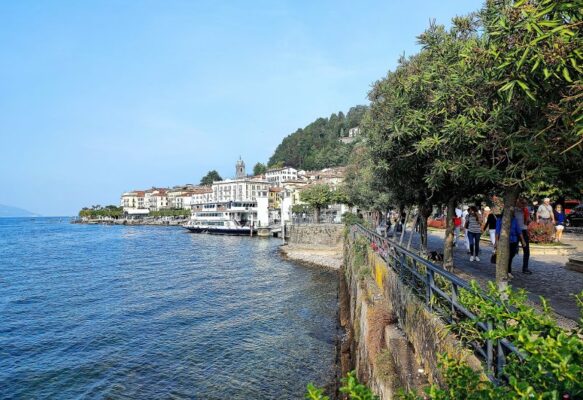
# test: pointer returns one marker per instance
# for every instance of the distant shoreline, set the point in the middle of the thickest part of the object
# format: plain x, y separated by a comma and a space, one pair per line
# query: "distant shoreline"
123, 221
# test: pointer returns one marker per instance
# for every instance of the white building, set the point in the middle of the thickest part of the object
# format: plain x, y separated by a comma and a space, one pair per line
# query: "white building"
277, 176
133, 200
156, 199
244, 189
201, 195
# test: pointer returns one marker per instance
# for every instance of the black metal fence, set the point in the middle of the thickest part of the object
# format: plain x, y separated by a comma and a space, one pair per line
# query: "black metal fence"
440, 291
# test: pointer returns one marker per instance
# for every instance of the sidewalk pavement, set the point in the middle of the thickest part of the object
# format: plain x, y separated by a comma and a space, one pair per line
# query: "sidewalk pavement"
549, 277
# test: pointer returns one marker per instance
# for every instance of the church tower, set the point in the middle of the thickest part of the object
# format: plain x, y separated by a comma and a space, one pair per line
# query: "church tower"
240, 169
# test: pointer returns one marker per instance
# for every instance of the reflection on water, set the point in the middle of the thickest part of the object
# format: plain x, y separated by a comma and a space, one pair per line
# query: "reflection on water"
155, 312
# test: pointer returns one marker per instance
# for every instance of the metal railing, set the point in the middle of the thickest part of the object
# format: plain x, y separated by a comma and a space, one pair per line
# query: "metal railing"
440, 291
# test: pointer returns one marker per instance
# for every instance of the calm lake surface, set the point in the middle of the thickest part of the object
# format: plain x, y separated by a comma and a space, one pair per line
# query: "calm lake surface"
118, 312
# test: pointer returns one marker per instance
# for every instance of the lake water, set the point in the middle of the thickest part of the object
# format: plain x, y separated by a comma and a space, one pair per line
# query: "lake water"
117, 312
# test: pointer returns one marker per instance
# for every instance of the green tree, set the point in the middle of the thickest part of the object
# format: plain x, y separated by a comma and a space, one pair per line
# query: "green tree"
210, 177
317, 196
317, 145
259, 169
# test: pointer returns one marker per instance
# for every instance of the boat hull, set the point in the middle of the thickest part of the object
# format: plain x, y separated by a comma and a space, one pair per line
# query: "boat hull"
221, 231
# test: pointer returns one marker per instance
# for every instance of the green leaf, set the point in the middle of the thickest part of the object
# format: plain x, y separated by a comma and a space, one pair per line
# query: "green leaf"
566, 75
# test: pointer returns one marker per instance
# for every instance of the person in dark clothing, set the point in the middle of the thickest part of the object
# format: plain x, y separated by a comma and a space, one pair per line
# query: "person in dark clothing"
515, 237
523, 219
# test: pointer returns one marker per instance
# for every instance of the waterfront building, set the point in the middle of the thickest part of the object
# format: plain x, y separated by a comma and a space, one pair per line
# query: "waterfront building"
244, 189
274, 197
201, 195
180, 197
277, 176
133, 200
156, 199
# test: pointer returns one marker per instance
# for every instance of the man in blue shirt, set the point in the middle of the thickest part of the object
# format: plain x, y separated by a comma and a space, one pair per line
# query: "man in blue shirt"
515, 236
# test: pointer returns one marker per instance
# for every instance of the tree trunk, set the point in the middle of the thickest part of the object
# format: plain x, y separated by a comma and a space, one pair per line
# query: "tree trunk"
412, 230
316, 215
503, 244
424, 214
404, 225
449, 235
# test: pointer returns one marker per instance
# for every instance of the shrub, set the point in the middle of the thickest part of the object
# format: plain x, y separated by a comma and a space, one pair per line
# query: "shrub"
350, 387
553, 364
541, 233
438, 223
349, 218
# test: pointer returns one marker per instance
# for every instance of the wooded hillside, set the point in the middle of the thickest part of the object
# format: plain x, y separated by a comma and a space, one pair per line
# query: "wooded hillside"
317, 145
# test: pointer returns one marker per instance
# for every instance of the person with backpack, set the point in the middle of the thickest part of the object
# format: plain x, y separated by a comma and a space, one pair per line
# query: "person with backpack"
474, 231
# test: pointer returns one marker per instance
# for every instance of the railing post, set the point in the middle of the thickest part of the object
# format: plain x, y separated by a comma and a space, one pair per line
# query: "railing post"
454, 300
489, 349
429, 289
500, 359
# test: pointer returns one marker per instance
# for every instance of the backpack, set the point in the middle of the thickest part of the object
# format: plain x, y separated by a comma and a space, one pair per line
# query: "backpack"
457, 221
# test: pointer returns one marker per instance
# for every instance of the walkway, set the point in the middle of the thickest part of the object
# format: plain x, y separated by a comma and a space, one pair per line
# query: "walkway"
549, 278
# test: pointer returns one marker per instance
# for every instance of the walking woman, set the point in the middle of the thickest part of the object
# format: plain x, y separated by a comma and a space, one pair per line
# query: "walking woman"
474, 231
560, 219
490, 224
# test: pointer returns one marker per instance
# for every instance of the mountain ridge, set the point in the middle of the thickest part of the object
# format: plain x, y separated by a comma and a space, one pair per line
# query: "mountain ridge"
11, 211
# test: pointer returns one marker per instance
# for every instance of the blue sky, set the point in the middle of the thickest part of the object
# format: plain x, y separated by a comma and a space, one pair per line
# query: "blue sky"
99, 97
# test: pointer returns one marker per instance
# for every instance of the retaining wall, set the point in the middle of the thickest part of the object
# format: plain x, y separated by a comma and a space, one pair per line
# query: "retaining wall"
390, 334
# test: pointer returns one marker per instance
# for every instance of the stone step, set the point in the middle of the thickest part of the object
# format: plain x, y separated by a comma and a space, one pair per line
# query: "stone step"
575, 263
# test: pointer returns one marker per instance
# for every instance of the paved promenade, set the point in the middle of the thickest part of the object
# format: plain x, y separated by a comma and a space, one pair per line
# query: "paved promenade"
549, 278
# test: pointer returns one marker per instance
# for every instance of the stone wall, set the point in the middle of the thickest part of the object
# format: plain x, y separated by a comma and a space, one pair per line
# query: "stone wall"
390, 334
328, 235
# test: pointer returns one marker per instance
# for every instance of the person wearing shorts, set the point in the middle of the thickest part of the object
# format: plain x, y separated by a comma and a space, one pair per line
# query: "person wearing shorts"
544, 214
560, 218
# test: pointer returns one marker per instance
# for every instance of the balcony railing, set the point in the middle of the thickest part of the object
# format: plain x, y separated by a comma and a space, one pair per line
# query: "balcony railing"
440, 291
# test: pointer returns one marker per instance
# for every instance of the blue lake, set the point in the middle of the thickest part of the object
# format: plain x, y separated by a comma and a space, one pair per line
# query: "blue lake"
116, 312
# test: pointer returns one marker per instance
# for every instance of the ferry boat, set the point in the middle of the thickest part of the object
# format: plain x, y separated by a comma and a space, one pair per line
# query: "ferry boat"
232, 218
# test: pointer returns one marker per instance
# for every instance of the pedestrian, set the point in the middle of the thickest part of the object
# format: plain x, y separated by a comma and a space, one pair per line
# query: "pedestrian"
457, 225
514, 237
465, 231
560, 218
474, 231
545, 213
523, 219
490, 224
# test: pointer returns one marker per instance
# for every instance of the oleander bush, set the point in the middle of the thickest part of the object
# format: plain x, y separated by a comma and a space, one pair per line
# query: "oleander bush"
541, 233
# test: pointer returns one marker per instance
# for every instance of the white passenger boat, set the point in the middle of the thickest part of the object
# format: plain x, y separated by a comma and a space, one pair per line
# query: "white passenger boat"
232, 218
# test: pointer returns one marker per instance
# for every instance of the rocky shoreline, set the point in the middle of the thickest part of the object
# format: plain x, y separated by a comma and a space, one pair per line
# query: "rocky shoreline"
320, 256
155, 222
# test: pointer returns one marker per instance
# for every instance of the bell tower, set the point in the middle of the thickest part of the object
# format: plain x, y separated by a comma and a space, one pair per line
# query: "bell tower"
240, 169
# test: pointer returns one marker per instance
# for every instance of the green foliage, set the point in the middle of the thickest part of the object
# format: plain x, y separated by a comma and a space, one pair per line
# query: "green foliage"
349, 219
353, 390
259, 169
110, 211
317, 196
210, 177
317, 145
553, 364
301, 208
553, 356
